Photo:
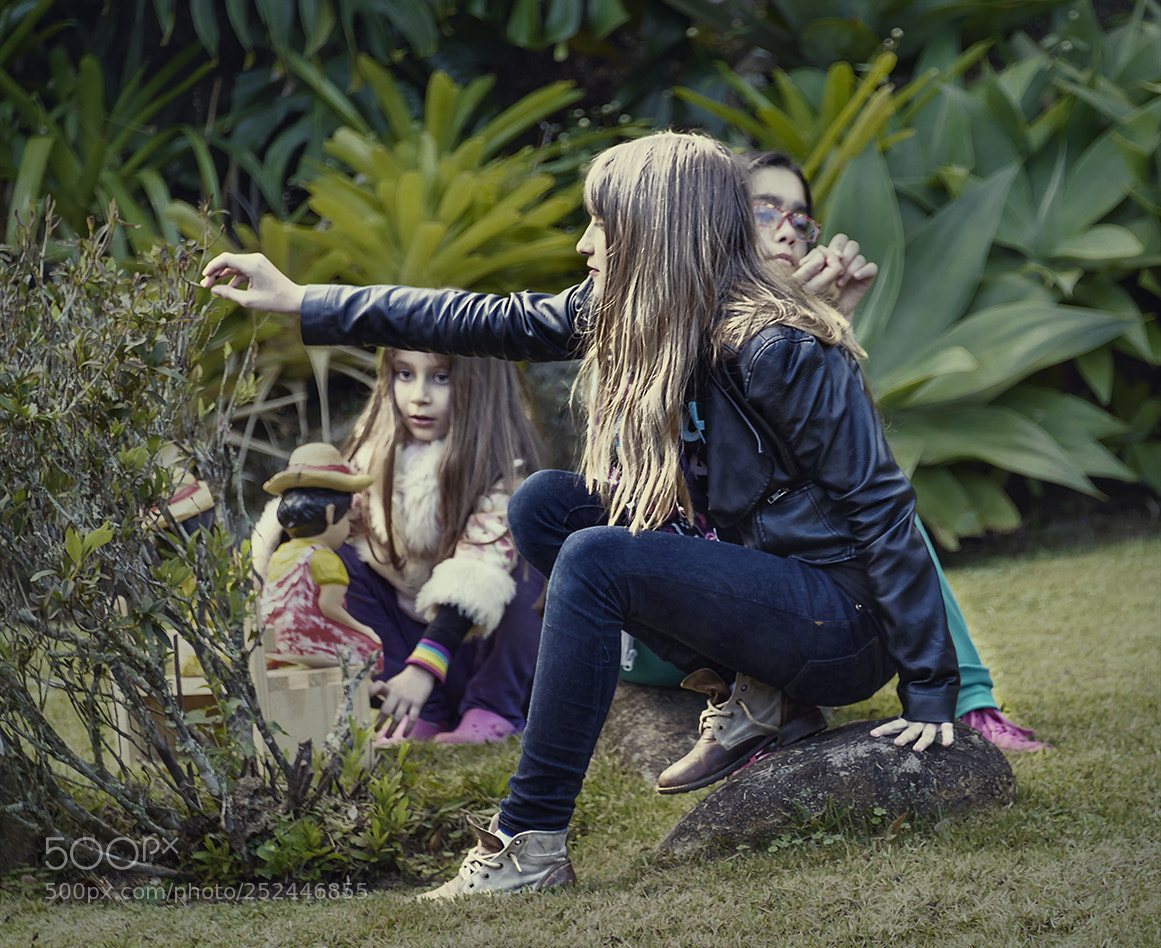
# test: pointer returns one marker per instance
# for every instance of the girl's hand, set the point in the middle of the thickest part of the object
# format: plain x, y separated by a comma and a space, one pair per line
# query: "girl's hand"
267, 287
405, 695
910, 730
838, 273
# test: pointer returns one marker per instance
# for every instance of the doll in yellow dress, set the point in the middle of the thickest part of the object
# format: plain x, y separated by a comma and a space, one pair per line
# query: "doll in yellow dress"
303, 598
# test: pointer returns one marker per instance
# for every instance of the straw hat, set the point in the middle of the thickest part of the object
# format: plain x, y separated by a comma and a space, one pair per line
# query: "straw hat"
317, 464
190, 497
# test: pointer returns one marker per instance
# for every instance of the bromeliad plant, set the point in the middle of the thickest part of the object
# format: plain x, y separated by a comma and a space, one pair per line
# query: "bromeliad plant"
823, 121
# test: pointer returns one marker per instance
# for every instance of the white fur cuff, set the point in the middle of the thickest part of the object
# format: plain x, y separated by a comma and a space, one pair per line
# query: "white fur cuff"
479, 590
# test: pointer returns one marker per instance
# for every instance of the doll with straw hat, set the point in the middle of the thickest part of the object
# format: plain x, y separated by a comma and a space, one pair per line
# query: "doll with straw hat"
304, 595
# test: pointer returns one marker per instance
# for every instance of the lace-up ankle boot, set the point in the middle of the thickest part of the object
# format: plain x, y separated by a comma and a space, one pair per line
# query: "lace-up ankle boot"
734, 726
531, 860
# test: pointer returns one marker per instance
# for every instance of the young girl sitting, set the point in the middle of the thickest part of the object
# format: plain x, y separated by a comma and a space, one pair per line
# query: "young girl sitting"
431, 563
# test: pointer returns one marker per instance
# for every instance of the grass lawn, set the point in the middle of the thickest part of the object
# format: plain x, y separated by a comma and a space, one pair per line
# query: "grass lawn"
1073, 639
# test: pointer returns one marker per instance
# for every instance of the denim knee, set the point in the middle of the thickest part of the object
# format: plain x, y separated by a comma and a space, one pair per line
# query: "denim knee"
544, 510
526, 503
592, 558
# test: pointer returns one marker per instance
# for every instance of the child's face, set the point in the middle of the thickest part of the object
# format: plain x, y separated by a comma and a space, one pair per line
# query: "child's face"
780, 187
593, 248
423, 393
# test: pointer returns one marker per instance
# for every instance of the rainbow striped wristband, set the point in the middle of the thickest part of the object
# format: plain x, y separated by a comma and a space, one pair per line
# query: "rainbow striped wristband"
431, 656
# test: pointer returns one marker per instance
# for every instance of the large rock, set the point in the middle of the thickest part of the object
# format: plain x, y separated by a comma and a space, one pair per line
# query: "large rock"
651, 727
844, 770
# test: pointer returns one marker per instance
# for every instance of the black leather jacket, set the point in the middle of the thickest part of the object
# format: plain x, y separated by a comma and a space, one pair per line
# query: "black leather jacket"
798, 464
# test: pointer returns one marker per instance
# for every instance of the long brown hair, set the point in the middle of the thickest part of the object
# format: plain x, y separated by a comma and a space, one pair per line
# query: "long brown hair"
684, 286
490, 440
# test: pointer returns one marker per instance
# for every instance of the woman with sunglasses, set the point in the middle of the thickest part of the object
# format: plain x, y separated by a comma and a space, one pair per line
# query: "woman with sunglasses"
720, 396
839, 273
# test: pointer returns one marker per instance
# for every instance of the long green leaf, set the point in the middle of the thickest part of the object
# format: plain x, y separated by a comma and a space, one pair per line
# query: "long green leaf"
997, 436
205, 22
1100, 243
1077, 425
391, 101
155, 188
531, 109
439, 108
328, 92
1096, 183
90, 103
1012, 341
26, 189
421, 260
741, 120
944, 506
868, 86
897, 387
944, 259
862, 204
470, 99
993, 508
25, 24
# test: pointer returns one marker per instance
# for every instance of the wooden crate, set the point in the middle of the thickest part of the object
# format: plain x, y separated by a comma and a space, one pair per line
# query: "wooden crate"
303, 702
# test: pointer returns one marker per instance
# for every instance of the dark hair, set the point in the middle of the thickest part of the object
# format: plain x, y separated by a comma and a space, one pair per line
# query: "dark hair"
753, 160
302, 511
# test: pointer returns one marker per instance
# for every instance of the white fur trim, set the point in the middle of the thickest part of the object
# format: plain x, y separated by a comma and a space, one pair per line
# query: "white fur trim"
479, 590
414, 504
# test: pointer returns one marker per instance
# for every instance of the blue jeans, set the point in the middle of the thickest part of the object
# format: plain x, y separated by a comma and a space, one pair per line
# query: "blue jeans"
697, 603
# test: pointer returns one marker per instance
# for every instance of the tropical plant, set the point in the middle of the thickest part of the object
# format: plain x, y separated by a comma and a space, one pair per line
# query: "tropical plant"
1048, 222
430, 203
85, 144
824, 120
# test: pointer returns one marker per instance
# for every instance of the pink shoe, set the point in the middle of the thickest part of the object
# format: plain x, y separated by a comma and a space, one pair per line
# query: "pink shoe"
1003, 733
477, 726
423, 731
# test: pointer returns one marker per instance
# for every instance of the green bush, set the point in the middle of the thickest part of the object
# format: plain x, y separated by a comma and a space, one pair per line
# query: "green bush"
98, 374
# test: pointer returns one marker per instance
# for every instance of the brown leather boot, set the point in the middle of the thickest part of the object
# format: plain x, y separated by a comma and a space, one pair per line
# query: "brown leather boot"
735, 726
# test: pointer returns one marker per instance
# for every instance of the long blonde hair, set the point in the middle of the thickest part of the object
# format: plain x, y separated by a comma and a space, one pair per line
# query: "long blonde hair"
490, 440
684, 286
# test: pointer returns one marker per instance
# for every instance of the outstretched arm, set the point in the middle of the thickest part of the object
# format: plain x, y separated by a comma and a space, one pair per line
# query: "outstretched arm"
253, 281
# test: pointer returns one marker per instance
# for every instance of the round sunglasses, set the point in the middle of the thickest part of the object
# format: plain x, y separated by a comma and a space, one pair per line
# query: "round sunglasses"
767, 215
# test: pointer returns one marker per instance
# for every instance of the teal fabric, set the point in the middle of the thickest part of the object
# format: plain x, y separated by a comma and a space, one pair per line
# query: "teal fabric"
975, 681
